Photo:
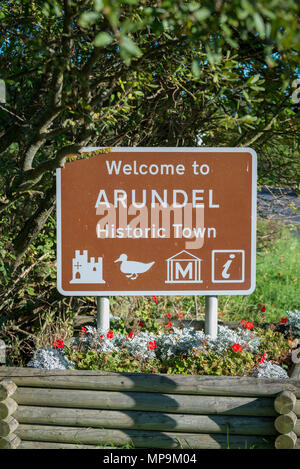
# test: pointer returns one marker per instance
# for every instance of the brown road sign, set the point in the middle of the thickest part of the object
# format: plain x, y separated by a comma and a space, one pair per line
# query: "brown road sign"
143, 221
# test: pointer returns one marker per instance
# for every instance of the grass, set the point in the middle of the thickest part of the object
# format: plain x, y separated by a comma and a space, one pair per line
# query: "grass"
277, 280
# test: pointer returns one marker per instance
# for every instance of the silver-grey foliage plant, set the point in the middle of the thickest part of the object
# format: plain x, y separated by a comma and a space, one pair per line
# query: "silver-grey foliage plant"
294, 322
50, 359
270, 370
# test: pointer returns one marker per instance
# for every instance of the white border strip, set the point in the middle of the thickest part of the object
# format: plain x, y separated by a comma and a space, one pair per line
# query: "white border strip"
213, 266
169, 292
58, 231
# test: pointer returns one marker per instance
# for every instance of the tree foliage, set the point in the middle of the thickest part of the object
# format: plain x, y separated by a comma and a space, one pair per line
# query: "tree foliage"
137, 73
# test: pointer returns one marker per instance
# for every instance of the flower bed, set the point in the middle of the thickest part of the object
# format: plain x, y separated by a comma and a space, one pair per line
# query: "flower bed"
50, 405
248, 350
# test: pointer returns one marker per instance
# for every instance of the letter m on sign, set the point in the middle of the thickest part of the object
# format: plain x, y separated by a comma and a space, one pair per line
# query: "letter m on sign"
181, 272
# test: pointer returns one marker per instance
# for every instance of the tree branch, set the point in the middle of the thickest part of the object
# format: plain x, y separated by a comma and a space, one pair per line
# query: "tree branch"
53, 109
33, 226
33, 176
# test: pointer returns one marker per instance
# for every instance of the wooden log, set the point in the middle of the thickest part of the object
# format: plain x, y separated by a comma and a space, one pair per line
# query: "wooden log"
134, 420
295, 373
287, 441
11, 441
143, 382
297, 408
7, 388
286, 423
8, 425
285, 402
51, 445
7, 408
168, 403
139, 438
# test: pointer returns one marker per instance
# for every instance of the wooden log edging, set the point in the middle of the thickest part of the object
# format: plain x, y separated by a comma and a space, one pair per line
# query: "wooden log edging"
51, 445
8, 424
295, 373
286, 424
155, 383
76, 408
139, 438
139, 420
169, 403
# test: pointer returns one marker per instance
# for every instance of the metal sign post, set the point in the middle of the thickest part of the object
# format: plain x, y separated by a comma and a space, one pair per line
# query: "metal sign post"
211, 316
103, 313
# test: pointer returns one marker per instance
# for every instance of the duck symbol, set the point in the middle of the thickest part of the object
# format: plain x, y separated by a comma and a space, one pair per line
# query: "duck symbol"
133, 267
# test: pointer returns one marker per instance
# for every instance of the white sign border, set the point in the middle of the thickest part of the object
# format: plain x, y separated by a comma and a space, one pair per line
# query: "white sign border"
169, 292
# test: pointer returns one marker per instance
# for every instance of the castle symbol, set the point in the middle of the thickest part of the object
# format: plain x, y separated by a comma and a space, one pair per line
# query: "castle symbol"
84, 271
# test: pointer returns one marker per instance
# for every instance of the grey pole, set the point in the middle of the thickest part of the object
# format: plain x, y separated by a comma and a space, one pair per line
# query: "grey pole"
103, 313
211, 316
2, 352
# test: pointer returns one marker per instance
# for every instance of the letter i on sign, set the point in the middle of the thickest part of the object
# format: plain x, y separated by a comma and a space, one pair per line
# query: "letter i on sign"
228, 266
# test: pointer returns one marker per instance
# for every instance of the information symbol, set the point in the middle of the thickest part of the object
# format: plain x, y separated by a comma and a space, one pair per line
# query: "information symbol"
228, 266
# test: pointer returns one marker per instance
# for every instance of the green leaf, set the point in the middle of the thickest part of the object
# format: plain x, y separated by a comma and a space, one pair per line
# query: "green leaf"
247, 6
259, 24
246, 96
88, 18
202, 14
241, 14
248, 119
253, 80
128, 46
196, 69
98, 5
102, 39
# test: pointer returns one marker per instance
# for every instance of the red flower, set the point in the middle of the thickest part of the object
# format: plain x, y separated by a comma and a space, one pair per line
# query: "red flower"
263, 309
141, 323
59, 343
110, 334
101, 336
284, 320
262, 358
180, 315
152, 345
248, 325
130, 335
83, 329
237, 348
169, 324
169, 315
